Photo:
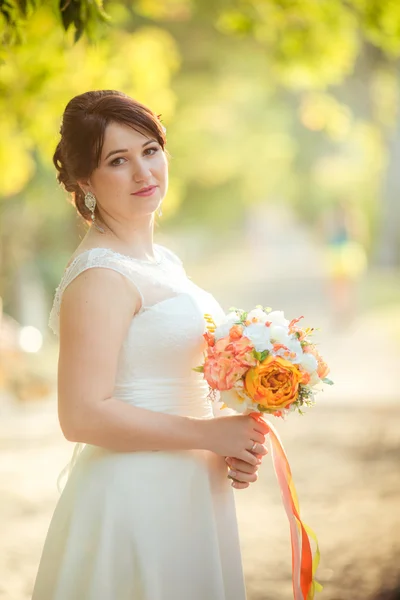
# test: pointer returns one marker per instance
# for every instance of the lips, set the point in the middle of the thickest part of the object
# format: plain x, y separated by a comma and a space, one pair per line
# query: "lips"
146, 191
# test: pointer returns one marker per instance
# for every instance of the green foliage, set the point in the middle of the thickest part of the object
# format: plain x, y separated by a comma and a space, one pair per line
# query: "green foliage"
264, 409
40, 77
380, 23
12, 14
311, 43
83, 15
243, 89
314, 43
260, 356
80, 15
167, 10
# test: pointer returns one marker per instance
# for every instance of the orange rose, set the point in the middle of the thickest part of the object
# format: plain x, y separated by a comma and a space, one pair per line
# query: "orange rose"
274, 383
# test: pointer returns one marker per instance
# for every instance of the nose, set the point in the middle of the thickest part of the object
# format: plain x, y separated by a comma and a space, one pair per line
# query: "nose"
141, 171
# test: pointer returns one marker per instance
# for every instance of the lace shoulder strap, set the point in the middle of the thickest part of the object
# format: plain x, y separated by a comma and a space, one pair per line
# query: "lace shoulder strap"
93, 258
170, 255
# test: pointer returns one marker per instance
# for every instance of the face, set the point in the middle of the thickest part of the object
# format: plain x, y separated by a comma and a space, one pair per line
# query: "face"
132, 177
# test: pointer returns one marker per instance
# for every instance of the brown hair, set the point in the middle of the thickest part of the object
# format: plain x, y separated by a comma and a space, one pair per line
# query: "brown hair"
82, 132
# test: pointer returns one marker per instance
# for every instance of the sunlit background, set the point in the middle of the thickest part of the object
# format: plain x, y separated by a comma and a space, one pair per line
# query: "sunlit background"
283, 127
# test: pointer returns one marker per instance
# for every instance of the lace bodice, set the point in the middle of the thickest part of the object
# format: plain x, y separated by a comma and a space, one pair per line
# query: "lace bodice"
165, 338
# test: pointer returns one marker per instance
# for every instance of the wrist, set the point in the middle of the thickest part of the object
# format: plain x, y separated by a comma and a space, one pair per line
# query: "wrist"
201, 433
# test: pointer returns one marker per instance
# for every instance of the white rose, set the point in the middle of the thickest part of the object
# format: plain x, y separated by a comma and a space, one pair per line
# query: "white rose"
232, 317
234, 401
276, 317
279, 334
315, 380
259, 335
259, 315
295, 346
308, 362
223, 330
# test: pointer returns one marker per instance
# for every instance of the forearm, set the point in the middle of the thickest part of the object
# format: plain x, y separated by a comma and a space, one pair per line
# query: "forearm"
122, 427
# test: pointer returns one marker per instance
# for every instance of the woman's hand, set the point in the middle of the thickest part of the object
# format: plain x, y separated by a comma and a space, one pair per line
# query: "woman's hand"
240, 437
242, 473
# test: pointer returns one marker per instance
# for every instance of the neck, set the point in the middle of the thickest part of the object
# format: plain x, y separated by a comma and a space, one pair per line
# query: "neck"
135, 239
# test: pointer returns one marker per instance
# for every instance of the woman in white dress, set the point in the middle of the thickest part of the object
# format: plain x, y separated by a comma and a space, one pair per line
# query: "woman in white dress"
147, 512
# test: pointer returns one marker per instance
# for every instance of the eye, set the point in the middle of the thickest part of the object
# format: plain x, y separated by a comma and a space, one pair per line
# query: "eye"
152, 150
115, 163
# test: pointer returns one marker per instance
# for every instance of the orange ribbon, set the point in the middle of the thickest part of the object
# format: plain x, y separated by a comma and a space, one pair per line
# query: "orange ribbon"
303, 564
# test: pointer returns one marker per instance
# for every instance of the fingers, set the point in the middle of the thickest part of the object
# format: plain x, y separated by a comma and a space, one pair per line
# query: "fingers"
249, 457
239, 465
259, 424
241, 472
257, 437
259, 449
242, 477
240, 485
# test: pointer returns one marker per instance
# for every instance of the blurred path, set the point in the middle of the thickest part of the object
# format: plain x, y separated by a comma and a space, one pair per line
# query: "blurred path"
344, 462
281, 266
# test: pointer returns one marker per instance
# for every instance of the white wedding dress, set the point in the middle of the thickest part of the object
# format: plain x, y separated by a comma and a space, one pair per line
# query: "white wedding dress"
147, 525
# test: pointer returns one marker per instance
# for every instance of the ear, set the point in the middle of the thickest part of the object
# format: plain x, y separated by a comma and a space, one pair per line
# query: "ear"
85, 185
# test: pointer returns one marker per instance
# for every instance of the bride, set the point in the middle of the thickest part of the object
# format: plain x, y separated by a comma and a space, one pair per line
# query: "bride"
148, 511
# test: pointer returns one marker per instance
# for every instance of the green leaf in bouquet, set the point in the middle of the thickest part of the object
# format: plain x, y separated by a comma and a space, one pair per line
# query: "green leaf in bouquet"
264, 409
241, 315
328, 381
267, 309
198, 369
260, 356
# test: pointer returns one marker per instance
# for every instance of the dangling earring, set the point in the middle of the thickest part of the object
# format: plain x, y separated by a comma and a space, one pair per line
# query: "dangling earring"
159, 211
90, 203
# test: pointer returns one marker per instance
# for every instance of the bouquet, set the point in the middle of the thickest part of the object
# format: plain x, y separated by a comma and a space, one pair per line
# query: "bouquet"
259, 361
263, 364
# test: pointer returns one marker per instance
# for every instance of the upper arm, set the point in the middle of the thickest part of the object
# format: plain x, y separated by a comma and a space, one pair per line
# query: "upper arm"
96, 311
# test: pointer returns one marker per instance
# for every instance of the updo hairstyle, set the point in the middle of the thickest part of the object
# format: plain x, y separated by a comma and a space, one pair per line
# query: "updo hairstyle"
82, 132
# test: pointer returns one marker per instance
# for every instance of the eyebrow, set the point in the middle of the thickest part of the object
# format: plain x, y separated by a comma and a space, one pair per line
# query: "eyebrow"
126, 149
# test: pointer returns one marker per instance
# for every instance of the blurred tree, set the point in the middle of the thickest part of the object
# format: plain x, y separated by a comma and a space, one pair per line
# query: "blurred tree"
312, 45
228, 77
310, 42
82, 15
36, 82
